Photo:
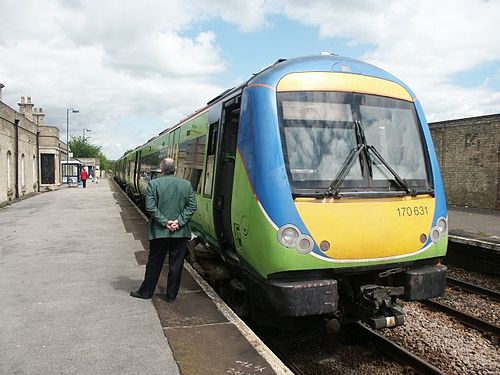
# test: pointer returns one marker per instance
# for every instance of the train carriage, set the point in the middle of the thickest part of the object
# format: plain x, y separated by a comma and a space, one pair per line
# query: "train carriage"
318, 189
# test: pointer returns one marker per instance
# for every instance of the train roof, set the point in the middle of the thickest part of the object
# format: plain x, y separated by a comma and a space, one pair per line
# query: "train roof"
271, 75
319, 63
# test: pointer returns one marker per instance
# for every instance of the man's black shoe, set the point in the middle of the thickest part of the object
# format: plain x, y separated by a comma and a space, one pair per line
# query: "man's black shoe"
169, 300
139, 295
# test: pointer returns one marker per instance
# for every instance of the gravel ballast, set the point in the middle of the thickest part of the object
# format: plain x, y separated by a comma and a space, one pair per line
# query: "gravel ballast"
447, 344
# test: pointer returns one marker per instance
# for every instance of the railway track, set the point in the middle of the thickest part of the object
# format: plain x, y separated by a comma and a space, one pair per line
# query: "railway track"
401, 355
473, 288
465, 318
377, 342
395, 351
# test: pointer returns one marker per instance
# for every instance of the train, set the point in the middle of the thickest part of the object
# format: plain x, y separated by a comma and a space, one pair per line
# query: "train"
318, 189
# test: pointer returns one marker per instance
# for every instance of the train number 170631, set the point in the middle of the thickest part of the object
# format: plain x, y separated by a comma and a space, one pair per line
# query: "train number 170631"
412, 211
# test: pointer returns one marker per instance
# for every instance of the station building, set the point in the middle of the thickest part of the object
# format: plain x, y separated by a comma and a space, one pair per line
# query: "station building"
468, 151
93, 166
30, 152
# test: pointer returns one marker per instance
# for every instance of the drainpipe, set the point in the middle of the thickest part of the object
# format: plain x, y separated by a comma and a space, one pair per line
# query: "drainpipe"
38, 160
16, 156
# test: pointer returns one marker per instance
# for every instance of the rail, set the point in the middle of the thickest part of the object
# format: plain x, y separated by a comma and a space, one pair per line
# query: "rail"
395, 351
464, 318
473, 288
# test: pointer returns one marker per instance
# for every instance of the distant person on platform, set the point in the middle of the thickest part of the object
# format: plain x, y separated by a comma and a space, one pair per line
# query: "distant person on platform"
171, 203
84, 176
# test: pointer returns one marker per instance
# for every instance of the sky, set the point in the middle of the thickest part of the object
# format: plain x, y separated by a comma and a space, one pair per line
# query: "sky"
135, 68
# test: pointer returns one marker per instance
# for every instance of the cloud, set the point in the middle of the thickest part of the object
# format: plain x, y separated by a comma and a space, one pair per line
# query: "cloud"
246, 15
424, 43
113, 62
168, 54
135, 69
445, 101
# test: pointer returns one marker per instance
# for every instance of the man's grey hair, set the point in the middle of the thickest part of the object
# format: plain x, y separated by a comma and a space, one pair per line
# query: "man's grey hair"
167, 166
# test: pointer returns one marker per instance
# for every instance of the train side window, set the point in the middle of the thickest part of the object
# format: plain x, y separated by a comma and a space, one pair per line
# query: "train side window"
131, 164
212, 147
149, 166
180, 169
190, 161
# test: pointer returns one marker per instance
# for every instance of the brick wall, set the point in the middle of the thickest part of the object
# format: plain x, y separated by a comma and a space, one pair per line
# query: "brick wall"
468, 151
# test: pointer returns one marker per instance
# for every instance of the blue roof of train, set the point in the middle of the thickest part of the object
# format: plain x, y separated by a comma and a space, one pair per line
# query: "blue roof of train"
321, 63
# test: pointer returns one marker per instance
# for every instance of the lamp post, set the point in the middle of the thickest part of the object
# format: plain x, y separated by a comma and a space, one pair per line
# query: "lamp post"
73, 110
85, 130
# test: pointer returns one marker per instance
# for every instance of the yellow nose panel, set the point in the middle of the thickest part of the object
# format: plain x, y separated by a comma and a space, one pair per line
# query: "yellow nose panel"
368, 228
346, 82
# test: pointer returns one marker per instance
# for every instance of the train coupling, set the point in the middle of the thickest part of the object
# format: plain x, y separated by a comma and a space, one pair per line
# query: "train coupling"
380, 302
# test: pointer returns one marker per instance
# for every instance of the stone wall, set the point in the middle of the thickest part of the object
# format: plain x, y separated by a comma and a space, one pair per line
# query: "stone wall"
27, 158
468, 151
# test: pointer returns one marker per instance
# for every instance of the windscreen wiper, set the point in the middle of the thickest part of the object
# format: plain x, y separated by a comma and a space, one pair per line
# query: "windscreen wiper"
401, 182
333, 189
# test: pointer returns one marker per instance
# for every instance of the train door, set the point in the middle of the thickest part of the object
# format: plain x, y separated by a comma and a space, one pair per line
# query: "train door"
137, 174
223, 189
133, 174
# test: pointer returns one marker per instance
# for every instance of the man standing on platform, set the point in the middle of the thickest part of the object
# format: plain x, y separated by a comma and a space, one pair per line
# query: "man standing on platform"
171, 203
84, 176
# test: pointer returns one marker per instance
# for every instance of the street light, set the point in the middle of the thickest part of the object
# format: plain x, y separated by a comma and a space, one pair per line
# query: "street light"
73, 110
85, 130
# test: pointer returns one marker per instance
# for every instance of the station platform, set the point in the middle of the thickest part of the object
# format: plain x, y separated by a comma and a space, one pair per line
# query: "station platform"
68, 260
475, 227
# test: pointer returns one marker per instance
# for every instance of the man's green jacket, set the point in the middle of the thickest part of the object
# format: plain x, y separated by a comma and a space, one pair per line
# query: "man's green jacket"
169, 198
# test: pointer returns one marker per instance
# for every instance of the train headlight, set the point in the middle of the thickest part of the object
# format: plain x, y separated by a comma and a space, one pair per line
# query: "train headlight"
440, 230
305, 245
288, 235
435, 235
442, 225
291, 237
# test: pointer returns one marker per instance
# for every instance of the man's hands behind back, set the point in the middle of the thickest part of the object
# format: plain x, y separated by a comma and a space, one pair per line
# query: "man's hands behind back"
172, 225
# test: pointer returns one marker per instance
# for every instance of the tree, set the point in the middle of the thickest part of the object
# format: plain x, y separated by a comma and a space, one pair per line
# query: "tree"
126, 152
82, 148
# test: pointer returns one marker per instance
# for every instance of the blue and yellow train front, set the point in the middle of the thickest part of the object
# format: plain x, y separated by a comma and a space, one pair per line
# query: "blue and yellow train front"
337, 174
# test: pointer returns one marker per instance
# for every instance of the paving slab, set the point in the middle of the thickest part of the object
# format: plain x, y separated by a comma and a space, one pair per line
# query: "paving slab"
475, 227
206, 337
234, 355
67, 265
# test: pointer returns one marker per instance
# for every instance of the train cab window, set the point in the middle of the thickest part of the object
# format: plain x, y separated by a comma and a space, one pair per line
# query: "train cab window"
393, 132
355, 143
